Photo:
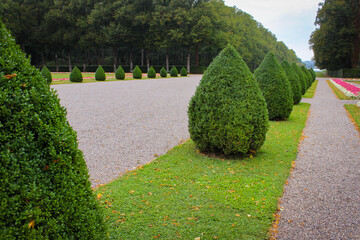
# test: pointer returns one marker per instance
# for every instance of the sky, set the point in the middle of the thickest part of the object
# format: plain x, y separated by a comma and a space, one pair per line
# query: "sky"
292, 21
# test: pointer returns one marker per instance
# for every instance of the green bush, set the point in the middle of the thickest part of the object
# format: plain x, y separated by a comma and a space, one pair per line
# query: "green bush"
120, 73
151, 73
174, 72
275, 87
294, 81
300, 75
183, 72
100, 74
306, 76
163, 72
313, 74
45, 72
45, 189
75, 75
228, 112
137, 74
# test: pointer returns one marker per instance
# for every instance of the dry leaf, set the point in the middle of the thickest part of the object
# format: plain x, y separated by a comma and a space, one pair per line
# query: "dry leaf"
32, 224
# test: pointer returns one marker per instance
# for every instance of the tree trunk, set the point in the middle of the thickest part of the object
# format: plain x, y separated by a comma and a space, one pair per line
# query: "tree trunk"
167, 60
142, 57
188, 60
147, 60
69, 61
115, 57
43, 59
197, 55
56, 63
356, 52
131, 62
84, 67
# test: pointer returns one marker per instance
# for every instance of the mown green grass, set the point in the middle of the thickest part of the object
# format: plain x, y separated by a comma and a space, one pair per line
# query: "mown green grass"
321, 74
311, 91
354, 112
340, 95
185, 194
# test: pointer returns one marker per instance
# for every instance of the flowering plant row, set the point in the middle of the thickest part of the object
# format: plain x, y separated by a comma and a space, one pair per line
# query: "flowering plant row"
347, 88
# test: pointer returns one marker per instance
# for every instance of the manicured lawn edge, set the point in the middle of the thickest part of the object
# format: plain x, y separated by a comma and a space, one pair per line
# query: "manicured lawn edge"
354, 115
186, 195
340, 95
311, 91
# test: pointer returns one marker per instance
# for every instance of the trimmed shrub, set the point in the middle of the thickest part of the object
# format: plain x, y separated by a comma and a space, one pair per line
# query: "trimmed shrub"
45, 72
275, 87
306, 76
100, 74
174, 72
163, 72
75, 75
45, 189
228, 112
151, 73
294, 81
313, 74
137, 74
300, 75
183, 72
120, 73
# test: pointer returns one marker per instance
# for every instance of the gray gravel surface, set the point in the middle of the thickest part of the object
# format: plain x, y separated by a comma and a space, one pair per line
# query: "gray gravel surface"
322, 200
124, 124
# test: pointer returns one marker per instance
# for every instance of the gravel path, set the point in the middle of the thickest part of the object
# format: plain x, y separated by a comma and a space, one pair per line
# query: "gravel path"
322, 199
122, 124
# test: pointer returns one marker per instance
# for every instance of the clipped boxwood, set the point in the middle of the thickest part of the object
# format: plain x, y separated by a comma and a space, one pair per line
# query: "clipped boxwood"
100, 74
45, 72
75, 75
151, 73
294, 81
275, 87
163, 72
228, 112
45, 189
307, 77
313, 74
174, 72
300, 75
137, 74
183, 72
120, 73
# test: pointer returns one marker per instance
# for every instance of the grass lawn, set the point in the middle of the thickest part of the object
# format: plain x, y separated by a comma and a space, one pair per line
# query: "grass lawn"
338, 92
187, 195
354, 114
321, 74
311, 91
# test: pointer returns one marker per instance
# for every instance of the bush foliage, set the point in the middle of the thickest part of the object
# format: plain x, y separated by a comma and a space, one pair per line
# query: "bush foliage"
100, 74
300, 76
294, 81
120, 73
275, 87
137, 74
45, 72
174, 72
228, 112
183, 72
307, 77
75, 75
151, 73
45, 189
163, 72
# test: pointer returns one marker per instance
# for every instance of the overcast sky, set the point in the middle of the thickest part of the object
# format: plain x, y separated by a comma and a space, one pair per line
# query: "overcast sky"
292, 21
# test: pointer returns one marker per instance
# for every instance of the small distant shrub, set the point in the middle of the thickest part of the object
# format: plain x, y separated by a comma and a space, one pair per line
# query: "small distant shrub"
306, 76
76, 75
174, 72
151, 73
163, 72
294, 81
183, 72
120, 73
137, 74
100, 74
45, 72
301, 77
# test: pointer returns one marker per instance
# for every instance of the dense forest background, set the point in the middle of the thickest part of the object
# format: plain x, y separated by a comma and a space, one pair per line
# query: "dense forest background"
87, 33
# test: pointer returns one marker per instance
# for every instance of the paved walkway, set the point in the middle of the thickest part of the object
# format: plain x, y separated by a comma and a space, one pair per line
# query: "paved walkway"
322, 199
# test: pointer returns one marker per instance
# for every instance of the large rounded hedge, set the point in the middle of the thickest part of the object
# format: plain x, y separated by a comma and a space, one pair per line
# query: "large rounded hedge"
228, 112
163, 72
100, 74
120, 73
151, 73
45, 72
137, 74
76, 75
45, 189
300, 75
294, 81
275, 87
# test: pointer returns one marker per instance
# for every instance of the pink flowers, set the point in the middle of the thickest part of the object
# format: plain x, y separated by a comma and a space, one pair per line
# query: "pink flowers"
347, 88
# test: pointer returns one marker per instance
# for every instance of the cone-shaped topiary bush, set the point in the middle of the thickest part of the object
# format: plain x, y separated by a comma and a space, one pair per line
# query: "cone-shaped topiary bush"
45, 189
45, 72
183, 72
137, 74
275, 87
174, 72
300, 75
228, 112
306, 76
75, 75
151, 73
120, 73
163, 72
313, 74
100, 74
294, 81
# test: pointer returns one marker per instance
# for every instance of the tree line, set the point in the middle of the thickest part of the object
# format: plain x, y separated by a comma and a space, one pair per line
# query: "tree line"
136, 32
